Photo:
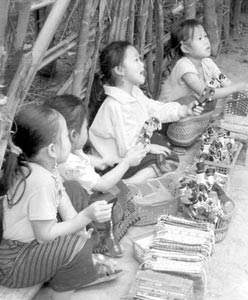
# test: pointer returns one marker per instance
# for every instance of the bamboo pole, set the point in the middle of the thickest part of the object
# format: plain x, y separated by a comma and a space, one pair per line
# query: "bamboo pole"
226, 21
124, 20
219, 12
130, 25
82, 48
210, 21
141, 28
44, 3
102, 7
114, 23
236, 17
119, 19
152, 46
56, 54
159, 47
189, 9
29, 66
149, 58
22, 24
4, 9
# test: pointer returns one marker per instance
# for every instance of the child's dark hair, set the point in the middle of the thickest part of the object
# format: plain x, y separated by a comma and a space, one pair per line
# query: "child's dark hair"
72, 108
110, 57
183, 31
36, 126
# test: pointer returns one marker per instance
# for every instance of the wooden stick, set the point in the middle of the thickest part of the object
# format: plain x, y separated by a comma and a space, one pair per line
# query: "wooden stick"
82, 48
159, 47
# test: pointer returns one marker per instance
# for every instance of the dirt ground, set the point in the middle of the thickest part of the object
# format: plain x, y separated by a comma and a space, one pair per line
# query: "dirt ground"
228, 274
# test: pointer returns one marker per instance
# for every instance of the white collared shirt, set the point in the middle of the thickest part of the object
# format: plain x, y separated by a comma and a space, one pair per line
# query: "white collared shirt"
120, 119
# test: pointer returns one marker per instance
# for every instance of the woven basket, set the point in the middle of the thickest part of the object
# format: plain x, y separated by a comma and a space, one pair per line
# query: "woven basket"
155, 198
223, 223
184, 132
237, 104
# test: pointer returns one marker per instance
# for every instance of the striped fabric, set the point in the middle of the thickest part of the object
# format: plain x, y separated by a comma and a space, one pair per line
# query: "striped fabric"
27, 264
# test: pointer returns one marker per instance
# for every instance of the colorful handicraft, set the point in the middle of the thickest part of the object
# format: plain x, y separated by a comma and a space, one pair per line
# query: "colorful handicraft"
217, 146
199, 194
148, 129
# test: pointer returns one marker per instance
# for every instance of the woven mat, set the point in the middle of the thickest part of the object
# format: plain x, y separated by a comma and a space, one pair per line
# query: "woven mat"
18, 294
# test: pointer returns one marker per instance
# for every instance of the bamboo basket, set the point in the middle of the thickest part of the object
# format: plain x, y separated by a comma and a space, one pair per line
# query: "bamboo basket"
154, 198
184, 132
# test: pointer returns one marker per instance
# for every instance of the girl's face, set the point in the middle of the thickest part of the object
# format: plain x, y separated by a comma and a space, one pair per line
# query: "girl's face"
198, 46
133, 67
63, 145
80, 138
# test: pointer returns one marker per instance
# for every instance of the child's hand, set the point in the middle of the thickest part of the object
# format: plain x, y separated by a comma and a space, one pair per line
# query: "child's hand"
99, 211
157, 149
194, 108
135, 155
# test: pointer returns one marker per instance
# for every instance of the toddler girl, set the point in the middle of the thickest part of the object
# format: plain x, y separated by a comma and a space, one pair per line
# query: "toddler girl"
194, 69
122, 115
34, 246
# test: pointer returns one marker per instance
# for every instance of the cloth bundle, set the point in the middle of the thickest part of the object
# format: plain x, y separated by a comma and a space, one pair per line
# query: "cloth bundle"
181, 247
152, 285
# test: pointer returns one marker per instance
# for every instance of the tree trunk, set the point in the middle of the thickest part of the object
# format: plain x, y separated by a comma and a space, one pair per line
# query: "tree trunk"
82, 48
159, 47
4, 10
226, 21
236, 17
210, 20
149, 57
220, 11
189, 9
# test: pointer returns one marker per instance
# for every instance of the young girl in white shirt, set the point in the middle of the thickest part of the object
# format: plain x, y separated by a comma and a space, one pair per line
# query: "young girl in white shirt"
79, 167
124, 109
35, 247
194, 69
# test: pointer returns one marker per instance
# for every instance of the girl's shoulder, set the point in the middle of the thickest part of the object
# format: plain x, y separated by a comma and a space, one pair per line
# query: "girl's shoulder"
208, 62
184, 63
40, 175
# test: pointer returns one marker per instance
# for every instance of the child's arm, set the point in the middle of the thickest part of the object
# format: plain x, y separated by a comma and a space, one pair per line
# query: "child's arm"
48, 230
97, 162
132, 158
197, 85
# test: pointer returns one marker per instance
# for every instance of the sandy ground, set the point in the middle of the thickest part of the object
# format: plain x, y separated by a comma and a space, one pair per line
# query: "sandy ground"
228, 274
